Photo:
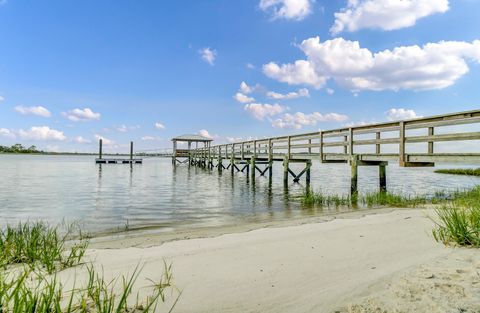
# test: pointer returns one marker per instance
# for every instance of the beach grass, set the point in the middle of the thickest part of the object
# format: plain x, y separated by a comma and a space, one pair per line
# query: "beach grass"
371, 199
458, 225
458, 221
460, 171
38, 244
31, 291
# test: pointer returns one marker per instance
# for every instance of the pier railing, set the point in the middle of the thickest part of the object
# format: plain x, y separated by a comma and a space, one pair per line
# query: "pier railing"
367, 143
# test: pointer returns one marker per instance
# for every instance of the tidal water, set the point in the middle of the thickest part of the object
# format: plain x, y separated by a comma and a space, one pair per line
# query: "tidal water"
160, 196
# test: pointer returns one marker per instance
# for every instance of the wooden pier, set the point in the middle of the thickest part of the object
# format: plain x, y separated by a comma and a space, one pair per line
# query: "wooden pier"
369, 145
102, 160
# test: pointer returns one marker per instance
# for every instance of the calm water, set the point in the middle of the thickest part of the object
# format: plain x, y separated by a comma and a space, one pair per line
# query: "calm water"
156, 194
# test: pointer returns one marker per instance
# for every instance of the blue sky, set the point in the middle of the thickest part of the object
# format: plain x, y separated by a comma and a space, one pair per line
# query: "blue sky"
74, 71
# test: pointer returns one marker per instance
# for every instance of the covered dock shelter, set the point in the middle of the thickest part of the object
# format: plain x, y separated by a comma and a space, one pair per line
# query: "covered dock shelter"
183, 155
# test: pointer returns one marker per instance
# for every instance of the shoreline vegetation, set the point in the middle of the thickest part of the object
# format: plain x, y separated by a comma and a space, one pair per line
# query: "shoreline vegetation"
32, 255
460, 171
457, 220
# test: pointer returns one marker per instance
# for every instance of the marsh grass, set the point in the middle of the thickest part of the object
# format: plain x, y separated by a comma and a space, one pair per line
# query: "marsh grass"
460, 171
390, 199
458, 225
309, 198
38, 244
31, 291
458, 221
321, 199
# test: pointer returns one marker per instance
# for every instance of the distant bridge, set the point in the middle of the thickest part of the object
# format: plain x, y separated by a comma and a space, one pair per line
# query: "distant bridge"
358, 146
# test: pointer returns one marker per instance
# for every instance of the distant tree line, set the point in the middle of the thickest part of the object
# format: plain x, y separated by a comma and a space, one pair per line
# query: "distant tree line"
18, 148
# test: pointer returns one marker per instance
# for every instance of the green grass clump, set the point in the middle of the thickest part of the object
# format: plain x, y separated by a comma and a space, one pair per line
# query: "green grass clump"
33, 292
37, 244
372, 199
390, 199
460, 171
459, 225
321, 199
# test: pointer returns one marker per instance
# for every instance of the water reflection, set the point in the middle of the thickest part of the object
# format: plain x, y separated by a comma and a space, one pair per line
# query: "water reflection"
157, 194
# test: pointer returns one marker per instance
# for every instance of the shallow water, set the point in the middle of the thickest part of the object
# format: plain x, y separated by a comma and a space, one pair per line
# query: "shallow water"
157, 194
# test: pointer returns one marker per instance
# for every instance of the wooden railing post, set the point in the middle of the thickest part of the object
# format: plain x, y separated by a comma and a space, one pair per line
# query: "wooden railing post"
350, 142
243, 150
345, 146
377, 145
310, 146
431, 132
289, 149
321, 147
401, 148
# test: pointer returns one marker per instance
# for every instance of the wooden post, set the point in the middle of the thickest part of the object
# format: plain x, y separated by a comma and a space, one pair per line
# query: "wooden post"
345, 146
270, 160
354, 178
243, 150
307, 174
377, 146
220, 162
382, 171
350, 143
289, 141
321, 147
310, 146
131, 151
431, 132
100, 148
189, 153
401, 149
174, 153
285, 170
252, 164
232, 159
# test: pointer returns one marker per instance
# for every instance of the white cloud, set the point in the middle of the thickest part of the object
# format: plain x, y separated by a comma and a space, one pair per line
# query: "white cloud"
385, 14
7, 133
291, 95
246, 89
149, 138
124, 128
35, 110
81, 115
240, 97
287, 9
330, 91
260, 111
250, 66
81, 140
105, 141
299, 119
2, 99
233, 139
205, 133
300, 73
401, 114
42, 133
433, 66
159, 126
208, 55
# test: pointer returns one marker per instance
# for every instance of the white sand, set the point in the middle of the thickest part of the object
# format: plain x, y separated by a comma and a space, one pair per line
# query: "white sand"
319, 267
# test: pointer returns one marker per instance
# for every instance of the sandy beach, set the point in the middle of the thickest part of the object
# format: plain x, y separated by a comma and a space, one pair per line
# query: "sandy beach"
386, 262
